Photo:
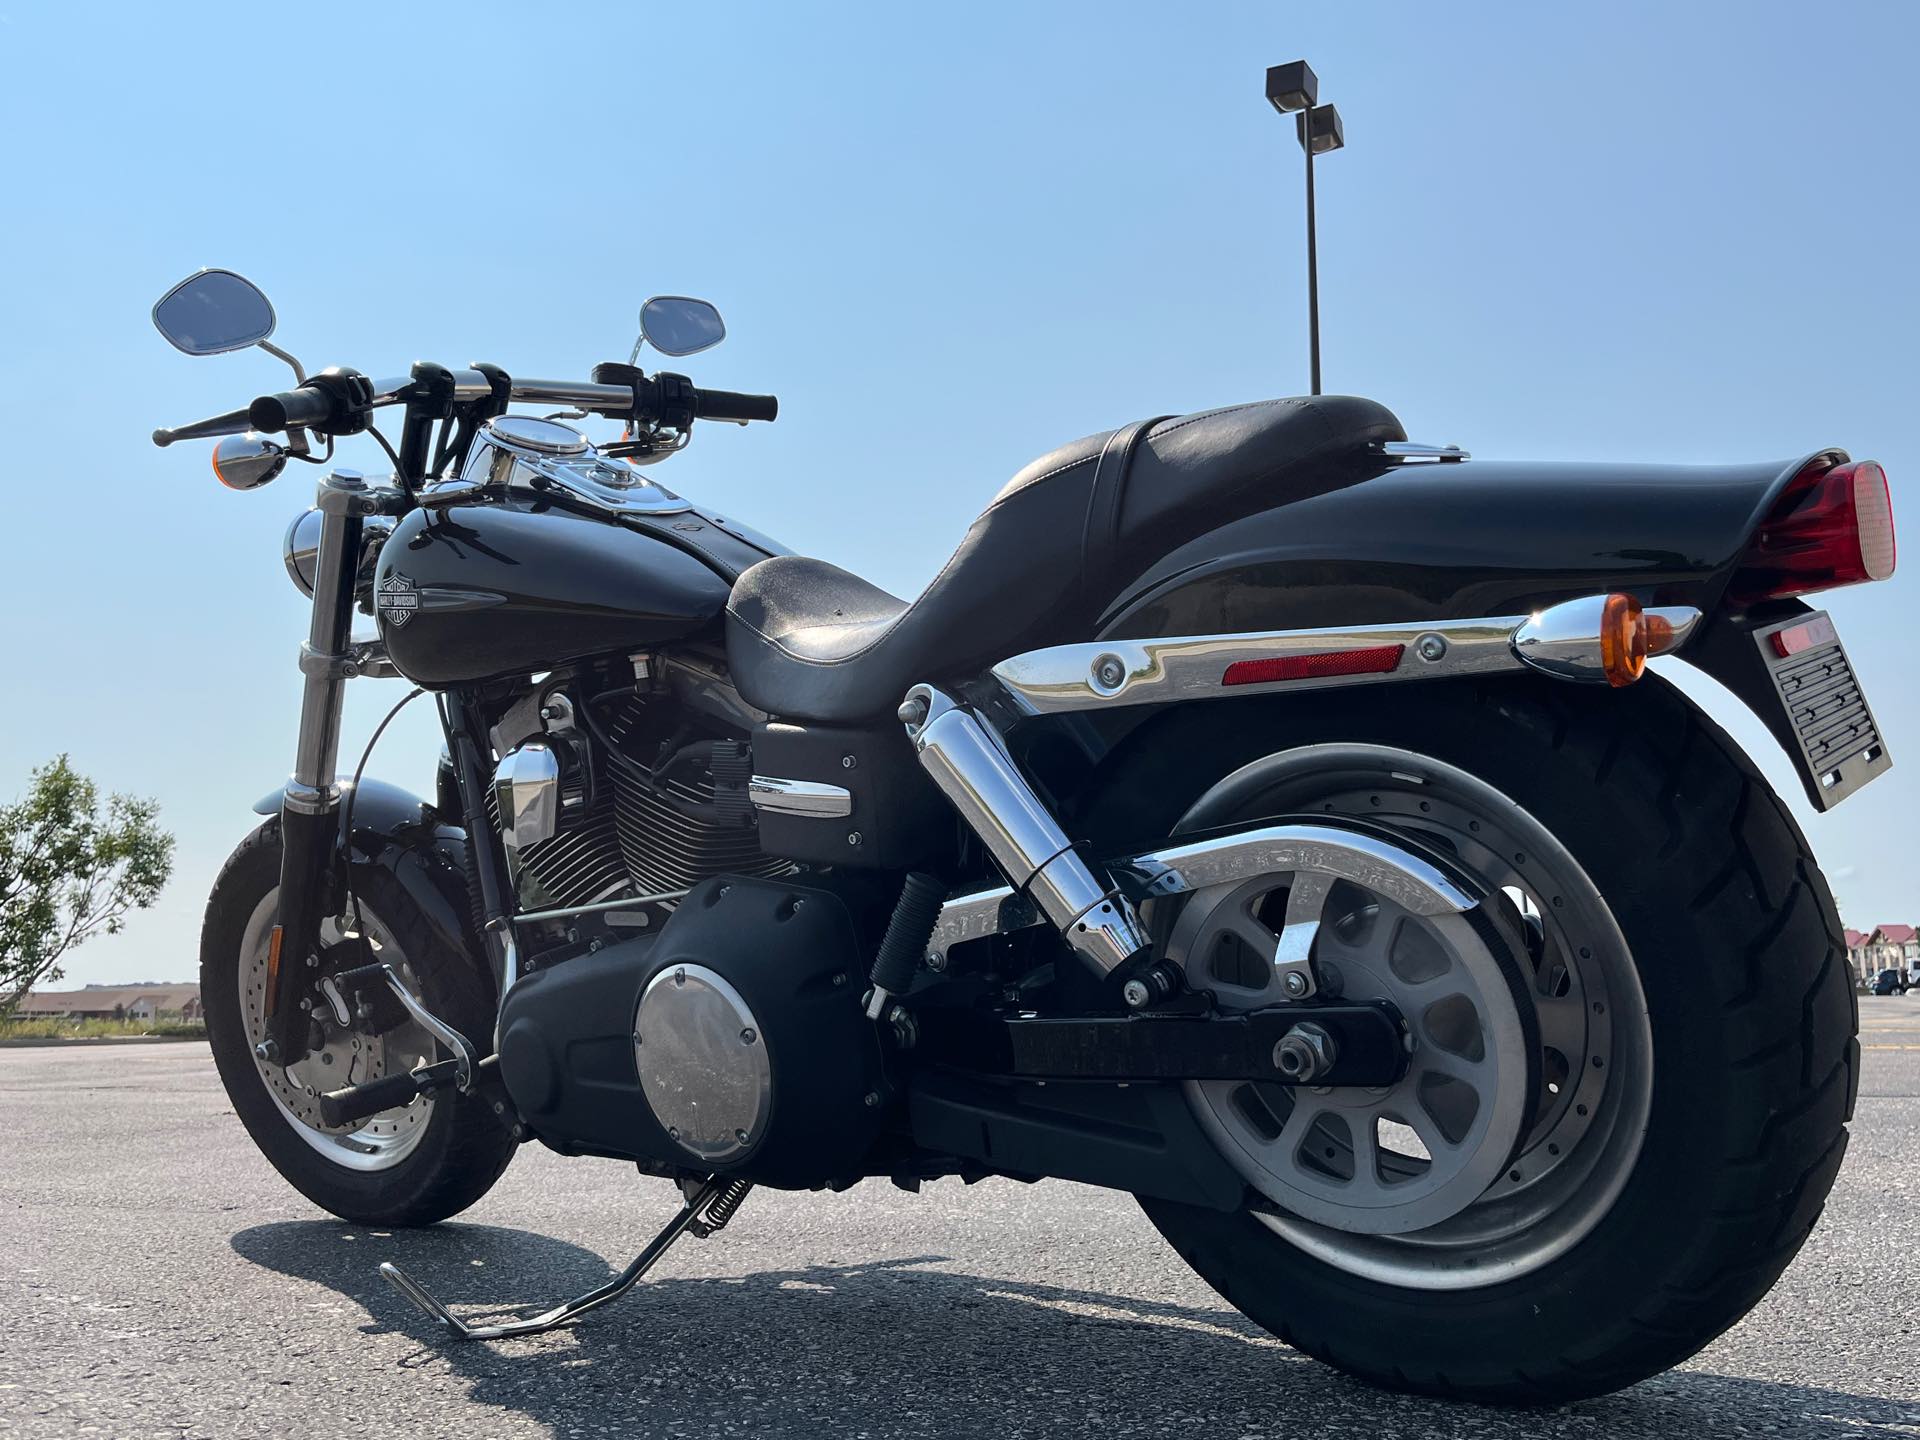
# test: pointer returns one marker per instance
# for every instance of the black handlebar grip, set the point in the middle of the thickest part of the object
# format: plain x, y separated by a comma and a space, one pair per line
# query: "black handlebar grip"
300, 408
731, 405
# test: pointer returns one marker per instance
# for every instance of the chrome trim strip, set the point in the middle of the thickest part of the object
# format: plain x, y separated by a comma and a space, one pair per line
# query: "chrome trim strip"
1322, 849
808, 799
1189, 667
1159, 671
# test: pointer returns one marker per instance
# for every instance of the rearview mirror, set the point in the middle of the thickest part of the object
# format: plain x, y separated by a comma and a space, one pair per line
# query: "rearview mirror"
212, 312
677, 325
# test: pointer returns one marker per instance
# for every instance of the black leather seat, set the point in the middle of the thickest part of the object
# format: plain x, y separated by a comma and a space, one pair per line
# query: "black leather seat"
808, 641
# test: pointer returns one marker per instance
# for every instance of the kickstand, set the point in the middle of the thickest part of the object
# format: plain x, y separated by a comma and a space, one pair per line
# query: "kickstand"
707, 1210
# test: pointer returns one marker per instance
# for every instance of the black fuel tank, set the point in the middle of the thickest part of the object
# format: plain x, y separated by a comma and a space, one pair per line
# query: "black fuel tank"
479, 591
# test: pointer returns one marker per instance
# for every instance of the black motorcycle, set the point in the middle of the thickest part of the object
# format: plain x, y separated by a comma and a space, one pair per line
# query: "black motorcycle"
1259, 813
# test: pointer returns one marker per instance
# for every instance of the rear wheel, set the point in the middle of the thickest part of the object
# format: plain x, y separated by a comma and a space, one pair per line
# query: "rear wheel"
411, 1165
1681, 1028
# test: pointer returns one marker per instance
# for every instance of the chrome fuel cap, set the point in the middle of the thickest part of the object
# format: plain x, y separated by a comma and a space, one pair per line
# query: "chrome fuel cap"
528, 432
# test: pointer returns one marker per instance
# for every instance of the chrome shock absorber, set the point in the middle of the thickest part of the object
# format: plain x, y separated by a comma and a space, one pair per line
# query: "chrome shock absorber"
967, 760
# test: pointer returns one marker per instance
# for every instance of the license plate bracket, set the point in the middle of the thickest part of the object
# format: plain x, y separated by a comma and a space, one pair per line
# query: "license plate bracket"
1836, 743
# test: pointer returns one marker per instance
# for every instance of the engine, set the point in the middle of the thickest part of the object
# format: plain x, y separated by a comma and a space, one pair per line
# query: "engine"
731, 1042
616, 797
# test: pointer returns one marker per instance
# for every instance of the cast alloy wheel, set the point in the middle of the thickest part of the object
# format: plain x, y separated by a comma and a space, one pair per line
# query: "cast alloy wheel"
349, 1056
1484, 1162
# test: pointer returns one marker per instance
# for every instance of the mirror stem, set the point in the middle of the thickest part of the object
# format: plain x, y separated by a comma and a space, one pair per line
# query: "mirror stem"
299, 370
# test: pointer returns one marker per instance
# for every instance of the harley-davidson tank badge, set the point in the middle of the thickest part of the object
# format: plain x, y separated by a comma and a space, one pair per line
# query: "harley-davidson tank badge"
396, 599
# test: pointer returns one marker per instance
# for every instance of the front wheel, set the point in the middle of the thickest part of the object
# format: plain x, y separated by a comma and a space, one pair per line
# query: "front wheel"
1680, 1031
411, 1165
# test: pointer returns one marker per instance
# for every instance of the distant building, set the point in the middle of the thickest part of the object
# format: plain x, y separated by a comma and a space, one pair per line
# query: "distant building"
1893, 947
113, 1002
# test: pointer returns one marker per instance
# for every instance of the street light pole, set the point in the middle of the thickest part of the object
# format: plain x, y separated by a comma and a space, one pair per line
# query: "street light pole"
1313, 281
1293, 89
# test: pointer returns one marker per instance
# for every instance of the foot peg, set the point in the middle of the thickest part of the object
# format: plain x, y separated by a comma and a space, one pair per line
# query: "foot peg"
707, 1210
357, 1102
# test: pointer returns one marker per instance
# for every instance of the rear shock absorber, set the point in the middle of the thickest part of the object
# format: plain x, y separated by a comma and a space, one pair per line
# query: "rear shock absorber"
967, 761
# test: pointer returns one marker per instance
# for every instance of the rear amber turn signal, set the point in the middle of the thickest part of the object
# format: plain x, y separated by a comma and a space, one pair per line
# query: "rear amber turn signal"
1624, 639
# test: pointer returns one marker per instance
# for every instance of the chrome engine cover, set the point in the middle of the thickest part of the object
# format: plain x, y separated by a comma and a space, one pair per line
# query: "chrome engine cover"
703, 1063
526, 793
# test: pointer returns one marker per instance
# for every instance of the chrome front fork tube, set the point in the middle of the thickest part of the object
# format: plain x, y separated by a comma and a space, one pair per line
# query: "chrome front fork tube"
324, 660
967, 761
310, 804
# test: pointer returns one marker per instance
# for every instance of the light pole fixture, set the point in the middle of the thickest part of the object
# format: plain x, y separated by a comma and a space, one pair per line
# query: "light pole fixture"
1293, 89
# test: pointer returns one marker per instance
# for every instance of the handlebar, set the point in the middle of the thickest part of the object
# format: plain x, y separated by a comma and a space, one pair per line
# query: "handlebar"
318, 405
732, 405
291, 409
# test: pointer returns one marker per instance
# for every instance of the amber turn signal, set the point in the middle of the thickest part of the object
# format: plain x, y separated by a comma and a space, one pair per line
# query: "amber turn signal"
1624, 640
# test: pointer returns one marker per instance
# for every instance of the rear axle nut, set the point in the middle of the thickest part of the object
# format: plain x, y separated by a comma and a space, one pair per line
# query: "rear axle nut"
1304, 1053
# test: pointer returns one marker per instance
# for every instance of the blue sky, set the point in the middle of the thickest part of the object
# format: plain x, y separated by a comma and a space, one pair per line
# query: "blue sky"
950, 239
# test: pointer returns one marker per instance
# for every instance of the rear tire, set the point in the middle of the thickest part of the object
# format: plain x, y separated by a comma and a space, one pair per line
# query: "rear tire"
464, 1145
1738, 949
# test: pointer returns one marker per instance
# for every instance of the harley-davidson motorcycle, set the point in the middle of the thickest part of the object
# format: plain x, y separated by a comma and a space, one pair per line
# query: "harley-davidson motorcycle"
1259, 813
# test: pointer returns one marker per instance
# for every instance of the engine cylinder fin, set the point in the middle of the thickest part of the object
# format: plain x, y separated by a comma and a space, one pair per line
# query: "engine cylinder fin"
664, 814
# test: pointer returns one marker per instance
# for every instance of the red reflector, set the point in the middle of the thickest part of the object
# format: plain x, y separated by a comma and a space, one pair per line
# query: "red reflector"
1804, 637
1374, 660
1830, 528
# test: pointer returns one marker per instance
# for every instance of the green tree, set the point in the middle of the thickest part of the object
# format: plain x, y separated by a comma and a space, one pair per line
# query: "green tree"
69, 869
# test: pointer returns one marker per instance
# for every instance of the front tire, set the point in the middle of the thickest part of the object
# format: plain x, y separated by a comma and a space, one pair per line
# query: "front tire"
414, 1166
1736, 947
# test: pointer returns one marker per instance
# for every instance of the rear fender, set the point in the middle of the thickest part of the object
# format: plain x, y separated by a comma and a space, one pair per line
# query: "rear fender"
408, 839
1456, 540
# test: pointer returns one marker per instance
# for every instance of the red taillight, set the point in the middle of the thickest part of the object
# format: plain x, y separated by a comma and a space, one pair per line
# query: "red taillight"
1831, 527
1327, 665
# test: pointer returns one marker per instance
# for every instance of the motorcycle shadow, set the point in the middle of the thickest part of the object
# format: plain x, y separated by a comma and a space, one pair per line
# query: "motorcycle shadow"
900, 1347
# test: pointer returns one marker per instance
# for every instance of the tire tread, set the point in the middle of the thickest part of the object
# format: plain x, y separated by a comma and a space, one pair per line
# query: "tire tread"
1787, 1017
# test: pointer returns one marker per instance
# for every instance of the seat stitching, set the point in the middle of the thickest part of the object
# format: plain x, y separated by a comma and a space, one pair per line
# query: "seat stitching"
1057, 470
1229, 410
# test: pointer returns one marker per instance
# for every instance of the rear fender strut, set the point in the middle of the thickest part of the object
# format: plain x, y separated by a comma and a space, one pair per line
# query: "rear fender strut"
1597, 639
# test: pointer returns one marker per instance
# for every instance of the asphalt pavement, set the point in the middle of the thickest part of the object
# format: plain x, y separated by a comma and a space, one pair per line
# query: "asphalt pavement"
160, 1280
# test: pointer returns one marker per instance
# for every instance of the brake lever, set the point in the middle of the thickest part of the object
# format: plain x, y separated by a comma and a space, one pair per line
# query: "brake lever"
234, 422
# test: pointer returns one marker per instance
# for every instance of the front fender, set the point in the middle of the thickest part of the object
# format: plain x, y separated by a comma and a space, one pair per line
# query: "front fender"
410, 840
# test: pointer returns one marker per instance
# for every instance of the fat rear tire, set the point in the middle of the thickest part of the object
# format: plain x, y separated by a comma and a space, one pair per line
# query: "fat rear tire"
1738, 948
466, 1146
